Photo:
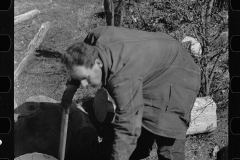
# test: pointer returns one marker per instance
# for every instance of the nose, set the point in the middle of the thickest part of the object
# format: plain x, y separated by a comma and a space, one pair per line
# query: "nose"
84, 83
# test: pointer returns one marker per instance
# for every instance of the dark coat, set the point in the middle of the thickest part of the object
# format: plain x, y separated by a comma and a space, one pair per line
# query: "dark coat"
150, 71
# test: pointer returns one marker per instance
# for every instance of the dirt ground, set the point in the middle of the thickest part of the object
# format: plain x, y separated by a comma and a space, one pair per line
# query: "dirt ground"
44, 74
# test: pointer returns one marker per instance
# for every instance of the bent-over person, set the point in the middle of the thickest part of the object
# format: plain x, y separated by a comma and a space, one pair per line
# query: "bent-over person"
152, 79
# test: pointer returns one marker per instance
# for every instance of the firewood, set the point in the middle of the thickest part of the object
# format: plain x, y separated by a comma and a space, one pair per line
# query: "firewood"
36, 41
23, 17
203, 116
32, 46
38, 130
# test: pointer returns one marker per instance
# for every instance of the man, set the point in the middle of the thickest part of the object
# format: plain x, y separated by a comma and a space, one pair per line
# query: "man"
151, 78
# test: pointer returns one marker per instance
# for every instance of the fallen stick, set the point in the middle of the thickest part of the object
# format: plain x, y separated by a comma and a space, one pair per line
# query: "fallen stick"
32, 46
36, 41
25, 16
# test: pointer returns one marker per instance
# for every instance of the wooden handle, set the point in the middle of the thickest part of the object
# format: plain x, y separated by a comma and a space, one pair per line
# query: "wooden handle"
63, 136
112, 7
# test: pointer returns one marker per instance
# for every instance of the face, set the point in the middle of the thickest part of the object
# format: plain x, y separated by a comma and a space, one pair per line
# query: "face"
88, 76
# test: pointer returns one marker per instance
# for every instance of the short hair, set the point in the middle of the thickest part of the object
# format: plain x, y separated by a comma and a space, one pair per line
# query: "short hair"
80, 54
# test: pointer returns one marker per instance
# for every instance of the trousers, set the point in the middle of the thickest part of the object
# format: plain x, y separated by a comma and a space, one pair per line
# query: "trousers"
167, 148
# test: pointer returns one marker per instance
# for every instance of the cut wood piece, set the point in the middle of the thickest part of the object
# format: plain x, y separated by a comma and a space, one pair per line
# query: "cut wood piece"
32, 46
25, 16
35, 156
38, 130
33, 103
41, 98
203, 116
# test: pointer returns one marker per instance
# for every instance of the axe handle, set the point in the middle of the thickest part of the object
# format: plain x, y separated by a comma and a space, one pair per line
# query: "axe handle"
63, 134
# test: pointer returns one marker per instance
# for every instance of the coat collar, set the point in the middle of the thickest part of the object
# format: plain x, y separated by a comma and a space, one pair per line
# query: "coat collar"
107, 63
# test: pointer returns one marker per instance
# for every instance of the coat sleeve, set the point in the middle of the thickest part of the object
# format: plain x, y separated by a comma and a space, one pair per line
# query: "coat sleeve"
127, 94
72, 86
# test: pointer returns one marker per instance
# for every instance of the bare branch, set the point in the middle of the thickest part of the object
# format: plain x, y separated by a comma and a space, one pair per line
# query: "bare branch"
197, 35
203, 17
209, 12
211, 72
222, 52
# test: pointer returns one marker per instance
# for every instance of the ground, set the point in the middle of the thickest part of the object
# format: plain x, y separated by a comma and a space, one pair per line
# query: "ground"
44, 74
70, 21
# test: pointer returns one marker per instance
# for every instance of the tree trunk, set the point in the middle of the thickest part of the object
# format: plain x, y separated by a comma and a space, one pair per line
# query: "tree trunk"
113, 12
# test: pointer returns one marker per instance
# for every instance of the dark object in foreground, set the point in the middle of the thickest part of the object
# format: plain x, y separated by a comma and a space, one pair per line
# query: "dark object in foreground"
223, 153
38, 130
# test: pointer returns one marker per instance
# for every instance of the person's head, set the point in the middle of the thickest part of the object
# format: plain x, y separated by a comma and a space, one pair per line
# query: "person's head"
83, 63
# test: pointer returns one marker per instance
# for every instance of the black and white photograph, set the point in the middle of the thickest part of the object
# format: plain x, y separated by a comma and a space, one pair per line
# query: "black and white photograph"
121, 79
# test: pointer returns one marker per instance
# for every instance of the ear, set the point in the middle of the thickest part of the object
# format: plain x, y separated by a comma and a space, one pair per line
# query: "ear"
99, 62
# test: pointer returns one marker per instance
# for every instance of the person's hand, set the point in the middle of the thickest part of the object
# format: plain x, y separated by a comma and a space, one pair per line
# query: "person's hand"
65, 106
68, 94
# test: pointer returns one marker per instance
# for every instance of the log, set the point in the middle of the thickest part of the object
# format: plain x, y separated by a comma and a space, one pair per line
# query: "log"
36, 41
41, 98
35, 156
203, 116
23, 17
38, 130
